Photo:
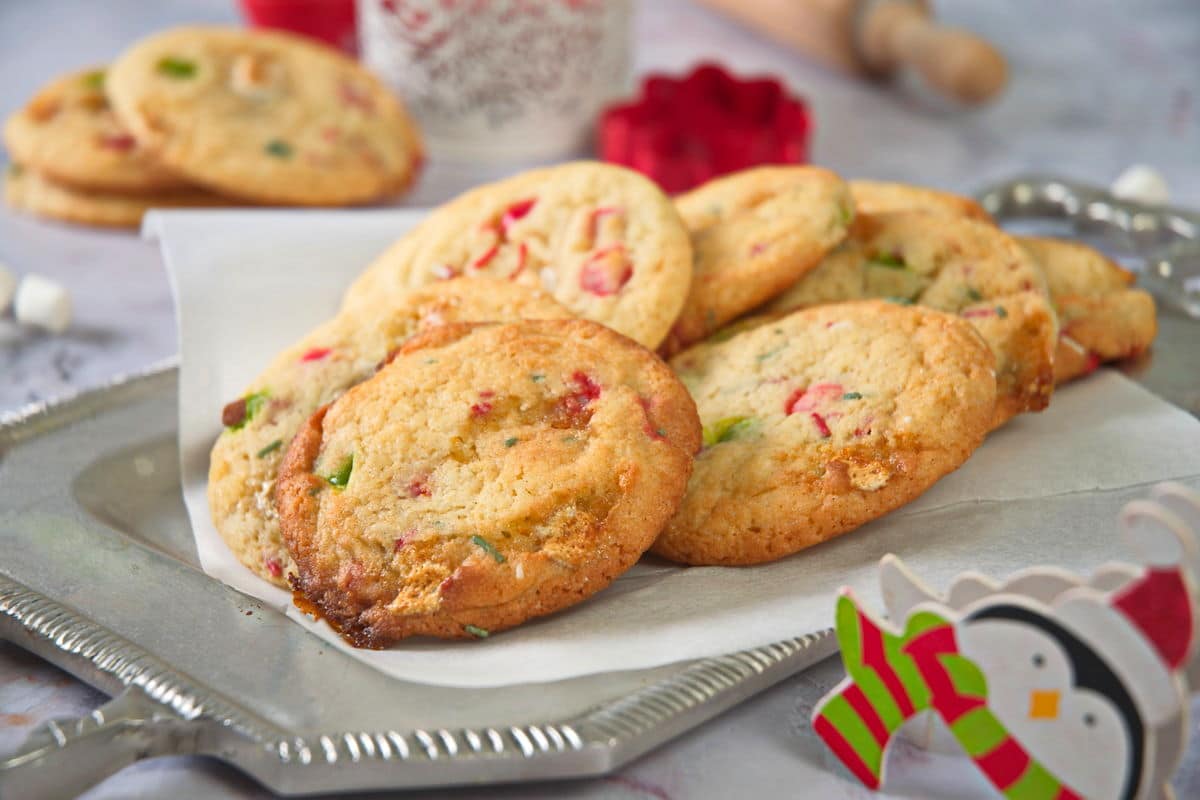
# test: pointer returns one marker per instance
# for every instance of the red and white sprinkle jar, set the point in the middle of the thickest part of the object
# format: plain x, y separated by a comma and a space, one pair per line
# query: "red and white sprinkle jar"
500, 80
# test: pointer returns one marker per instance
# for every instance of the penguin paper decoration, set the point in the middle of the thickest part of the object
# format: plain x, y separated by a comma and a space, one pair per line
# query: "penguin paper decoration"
1057, 686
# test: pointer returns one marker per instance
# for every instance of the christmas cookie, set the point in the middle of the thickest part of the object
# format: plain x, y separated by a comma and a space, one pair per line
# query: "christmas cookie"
267, 116
820, 421
1100, 317
487, 475
68, 133
27, 190
605, 241
754, 234
259, 425
877, 197
953, 264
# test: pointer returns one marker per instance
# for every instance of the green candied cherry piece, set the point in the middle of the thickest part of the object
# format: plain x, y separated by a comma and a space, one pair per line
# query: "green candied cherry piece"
723, 430
973, 295
900, 301
93, 80
845, 215
852, 396
888, 261
1001, 312
254, 403
178, 68
477, 632
487, 547
339, 479
238, 413
512, 440
271, 448
278, 148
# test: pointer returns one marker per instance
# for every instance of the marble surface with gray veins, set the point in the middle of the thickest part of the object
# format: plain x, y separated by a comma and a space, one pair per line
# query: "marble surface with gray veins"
1096, 85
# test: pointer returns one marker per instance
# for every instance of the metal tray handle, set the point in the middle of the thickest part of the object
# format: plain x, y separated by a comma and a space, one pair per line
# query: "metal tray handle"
63, 758
1168, 239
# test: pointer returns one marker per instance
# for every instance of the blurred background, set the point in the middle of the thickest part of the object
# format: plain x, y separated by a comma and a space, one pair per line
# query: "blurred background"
1093, 85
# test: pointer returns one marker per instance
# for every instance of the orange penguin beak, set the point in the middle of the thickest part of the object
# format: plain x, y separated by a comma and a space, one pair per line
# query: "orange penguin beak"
1043, 704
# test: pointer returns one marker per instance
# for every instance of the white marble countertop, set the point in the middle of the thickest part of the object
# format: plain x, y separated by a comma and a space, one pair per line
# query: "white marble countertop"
1096, 85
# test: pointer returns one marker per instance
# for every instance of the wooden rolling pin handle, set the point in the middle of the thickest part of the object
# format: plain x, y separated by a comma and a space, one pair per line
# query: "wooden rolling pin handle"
900, 32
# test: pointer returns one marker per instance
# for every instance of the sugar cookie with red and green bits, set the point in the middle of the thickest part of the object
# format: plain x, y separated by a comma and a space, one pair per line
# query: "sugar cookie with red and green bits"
953, 264
1100, 317
30, 191
604, 240
265, 115
487, 475
260, 424
878, 197
754, 233
821, 421
69, 134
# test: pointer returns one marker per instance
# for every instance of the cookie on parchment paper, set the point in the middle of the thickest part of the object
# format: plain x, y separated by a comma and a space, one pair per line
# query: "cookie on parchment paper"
604, 240
1101, 318
754, 234
820, 421
260, 424
487, 475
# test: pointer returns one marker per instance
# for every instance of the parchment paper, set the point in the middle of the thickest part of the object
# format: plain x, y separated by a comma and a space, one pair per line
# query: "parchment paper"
1045, 489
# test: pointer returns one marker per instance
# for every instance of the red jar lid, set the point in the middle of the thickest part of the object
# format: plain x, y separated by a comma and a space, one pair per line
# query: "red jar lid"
684, 131
330, 21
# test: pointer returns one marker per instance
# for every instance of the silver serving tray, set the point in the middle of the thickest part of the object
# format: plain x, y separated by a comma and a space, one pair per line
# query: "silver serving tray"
99, 575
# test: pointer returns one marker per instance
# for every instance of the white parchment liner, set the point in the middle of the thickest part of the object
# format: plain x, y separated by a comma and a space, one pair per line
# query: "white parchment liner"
1045, 489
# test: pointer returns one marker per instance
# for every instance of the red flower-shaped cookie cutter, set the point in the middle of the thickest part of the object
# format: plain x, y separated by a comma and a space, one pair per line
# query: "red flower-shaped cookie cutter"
684, 131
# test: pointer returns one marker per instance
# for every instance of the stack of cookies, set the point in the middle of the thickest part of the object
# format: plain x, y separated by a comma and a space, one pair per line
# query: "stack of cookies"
206, 117
488, 430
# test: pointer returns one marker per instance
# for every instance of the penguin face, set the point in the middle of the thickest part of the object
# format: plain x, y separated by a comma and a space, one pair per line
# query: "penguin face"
1074, 731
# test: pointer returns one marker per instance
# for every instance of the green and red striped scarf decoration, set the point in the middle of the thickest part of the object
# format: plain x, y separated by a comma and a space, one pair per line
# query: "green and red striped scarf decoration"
892, 678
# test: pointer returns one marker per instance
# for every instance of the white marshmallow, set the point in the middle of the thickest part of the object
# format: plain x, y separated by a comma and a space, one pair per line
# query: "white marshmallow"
8, 287
1142, 184
43, 304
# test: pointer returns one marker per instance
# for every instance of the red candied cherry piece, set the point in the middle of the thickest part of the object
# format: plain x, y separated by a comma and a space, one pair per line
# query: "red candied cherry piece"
354, 97
522, 256
586, 390
595, 217
487, 256
118, 141
419, 487
606, 271
516, 211
822, 425
978, 312
316, 354
1092, 364
484, 406
274, 567
809, 398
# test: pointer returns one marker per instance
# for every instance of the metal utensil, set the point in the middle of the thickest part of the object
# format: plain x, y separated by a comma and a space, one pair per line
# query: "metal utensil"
1165, 240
